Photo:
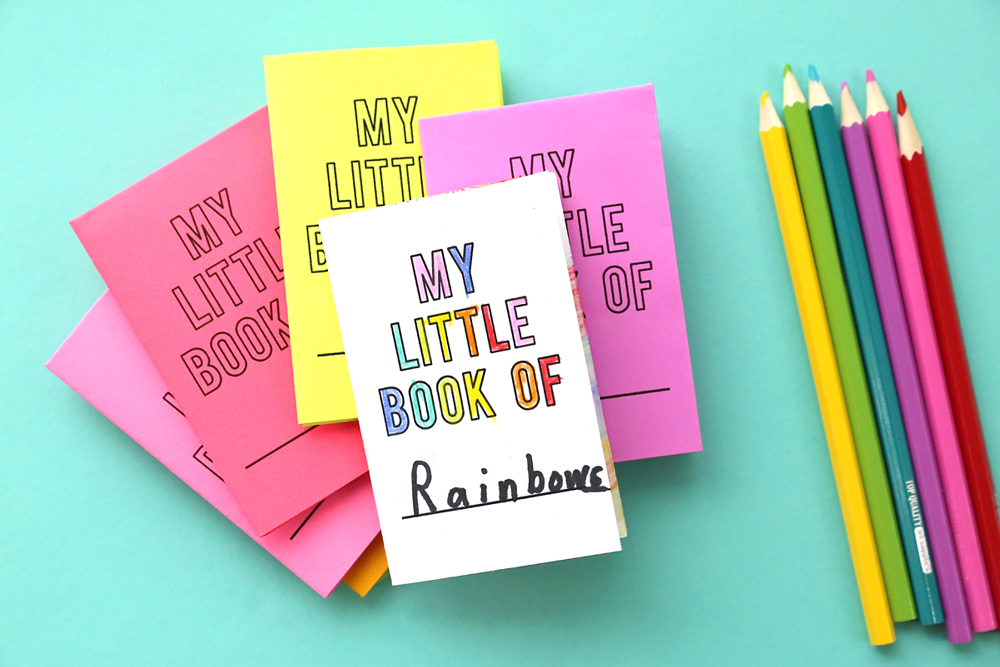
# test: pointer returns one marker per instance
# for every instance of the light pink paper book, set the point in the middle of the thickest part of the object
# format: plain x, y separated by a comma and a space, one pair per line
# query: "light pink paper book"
192, 256
605, 150
104, 362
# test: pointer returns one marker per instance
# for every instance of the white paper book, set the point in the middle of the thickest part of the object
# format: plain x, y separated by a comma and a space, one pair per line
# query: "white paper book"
469, 364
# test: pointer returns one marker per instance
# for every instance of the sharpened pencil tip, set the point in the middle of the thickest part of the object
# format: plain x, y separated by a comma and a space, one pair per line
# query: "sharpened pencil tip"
788, 69
900, 103
869, 76
813, 76
843, 85
768, 114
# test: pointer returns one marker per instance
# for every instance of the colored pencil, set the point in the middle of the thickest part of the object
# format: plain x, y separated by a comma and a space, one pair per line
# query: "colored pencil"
904, 369
888, 165
847, 350
949, 331
881, 385
819, 344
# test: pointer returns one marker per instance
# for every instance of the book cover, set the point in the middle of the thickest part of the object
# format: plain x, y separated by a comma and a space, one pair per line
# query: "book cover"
474, 392
104, 362
191, 254
604, 149
345, 138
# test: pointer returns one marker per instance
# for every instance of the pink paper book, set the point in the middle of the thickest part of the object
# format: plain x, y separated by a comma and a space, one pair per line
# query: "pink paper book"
605, 150
104, 362
192, 256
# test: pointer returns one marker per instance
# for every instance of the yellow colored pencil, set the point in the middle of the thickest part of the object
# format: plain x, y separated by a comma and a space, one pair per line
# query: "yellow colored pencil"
833, 409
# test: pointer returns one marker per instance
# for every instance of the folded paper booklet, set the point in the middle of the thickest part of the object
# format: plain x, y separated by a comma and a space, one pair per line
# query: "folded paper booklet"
344, 132
604, 149
473, 381
191, 254
104, 362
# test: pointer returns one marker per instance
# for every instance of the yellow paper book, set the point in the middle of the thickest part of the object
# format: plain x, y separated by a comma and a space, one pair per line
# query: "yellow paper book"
344, 137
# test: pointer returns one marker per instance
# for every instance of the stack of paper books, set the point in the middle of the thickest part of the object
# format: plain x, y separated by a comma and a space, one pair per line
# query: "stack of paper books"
343, 365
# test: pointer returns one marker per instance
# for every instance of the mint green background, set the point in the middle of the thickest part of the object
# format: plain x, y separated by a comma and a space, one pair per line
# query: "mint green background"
736, 556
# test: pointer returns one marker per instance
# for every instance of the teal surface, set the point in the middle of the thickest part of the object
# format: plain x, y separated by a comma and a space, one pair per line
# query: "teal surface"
735, 556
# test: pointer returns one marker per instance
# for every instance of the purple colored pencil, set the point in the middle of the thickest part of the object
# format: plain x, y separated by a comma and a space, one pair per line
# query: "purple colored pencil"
904, 368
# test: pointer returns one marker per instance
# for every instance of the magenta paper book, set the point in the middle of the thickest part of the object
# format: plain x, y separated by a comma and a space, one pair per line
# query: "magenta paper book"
193, 258
605, 150
104, 362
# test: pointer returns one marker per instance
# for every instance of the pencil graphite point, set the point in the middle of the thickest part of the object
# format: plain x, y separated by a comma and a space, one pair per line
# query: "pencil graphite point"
849, 114
817, 92
768, 114
791, 92
875, 102
869, 76
909, 138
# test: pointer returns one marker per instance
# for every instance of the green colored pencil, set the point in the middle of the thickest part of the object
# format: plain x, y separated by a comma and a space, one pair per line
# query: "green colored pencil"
881, 383
847, 351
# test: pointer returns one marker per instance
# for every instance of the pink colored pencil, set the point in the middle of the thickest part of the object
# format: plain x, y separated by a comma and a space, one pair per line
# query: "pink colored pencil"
918, 314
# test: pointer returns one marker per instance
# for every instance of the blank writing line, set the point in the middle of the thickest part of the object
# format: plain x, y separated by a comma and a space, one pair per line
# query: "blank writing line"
306, 520
637, 393
509, 500
329, 354
279, 447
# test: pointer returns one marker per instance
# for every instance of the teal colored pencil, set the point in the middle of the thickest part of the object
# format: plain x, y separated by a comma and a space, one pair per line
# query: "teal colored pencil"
868, 321
891, 555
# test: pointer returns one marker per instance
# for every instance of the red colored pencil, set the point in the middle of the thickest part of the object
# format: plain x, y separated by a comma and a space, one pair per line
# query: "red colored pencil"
949, 331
